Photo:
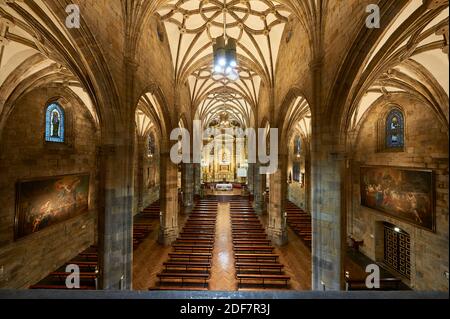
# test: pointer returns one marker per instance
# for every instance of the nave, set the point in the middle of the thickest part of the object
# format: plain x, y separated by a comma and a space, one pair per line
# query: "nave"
230, 238
121, 138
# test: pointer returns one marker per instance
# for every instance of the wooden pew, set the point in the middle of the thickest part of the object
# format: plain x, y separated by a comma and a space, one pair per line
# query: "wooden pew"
193, 241
263, 279
251, 242
194, 235
185, 277
249, 232
249, 236
259, 249
186, 265
192, 248
256, 257
244, 227
191, 256
63, 275
258, 267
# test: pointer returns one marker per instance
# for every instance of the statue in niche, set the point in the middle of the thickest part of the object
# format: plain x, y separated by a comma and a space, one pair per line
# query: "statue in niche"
55, 124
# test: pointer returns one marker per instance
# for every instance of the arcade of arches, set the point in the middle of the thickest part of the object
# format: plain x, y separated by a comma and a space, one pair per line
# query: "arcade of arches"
87, 170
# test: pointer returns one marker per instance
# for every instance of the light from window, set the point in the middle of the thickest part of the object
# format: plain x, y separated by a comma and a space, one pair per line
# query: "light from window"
395, 138
54, 124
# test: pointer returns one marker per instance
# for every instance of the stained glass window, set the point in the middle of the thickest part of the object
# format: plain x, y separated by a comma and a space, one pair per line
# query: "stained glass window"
395, 136
54, 123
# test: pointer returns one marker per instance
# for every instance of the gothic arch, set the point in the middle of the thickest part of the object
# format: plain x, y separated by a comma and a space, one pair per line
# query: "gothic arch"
294, 109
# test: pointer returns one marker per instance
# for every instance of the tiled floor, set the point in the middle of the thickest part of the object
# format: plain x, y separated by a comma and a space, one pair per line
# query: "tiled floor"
150, 255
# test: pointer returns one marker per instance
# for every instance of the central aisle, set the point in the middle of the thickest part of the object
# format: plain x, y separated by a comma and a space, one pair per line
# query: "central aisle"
222, 270
149, 257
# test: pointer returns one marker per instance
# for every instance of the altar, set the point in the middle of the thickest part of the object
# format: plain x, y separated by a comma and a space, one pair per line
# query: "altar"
224, 186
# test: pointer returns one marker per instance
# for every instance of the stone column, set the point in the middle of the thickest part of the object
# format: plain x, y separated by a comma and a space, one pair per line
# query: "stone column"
263, 185
140, 173
187, 185
307, 185
327, 246
168, 230
197, 178
259, 203
277, 229
115, 220
250, 172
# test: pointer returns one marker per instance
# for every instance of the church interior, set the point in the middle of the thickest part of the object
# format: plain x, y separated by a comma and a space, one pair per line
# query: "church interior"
224, 145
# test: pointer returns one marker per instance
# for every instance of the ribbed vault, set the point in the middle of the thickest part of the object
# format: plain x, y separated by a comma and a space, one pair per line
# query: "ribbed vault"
410, 58
28, 59
192, 27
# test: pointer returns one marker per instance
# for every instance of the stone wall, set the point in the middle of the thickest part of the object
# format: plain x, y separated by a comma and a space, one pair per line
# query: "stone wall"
155, 66
426, 146
151, 180
344, 21
148, 171
108, 31
296, 193
293, 68
25, 155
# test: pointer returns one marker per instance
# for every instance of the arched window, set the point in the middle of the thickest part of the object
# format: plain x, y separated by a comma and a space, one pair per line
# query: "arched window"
395, 130
54, 123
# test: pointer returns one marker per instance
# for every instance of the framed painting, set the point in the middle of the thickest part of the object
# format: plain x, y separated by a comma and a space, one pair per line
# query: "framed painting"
403, 193
43, 202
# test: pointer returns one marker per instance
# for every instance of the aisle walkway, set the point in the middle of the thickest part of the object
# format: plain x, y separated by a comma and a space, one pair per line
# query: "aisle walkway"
149, 257
222, 271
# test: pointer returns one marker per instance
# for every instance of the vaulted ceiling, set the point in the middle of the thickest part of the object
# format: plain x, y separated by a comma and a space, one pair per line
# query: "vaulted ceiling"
192, 27
411, 58
28, 59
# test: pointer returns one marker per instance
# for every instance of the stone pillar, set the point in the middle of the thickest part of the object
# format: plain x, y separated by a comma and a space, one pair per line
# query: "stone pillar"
197, 178
168, 230
327, 246
115, 220
140, 173
307, 184
264, 187
187, 185
250, 172
277, 226
259, 202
